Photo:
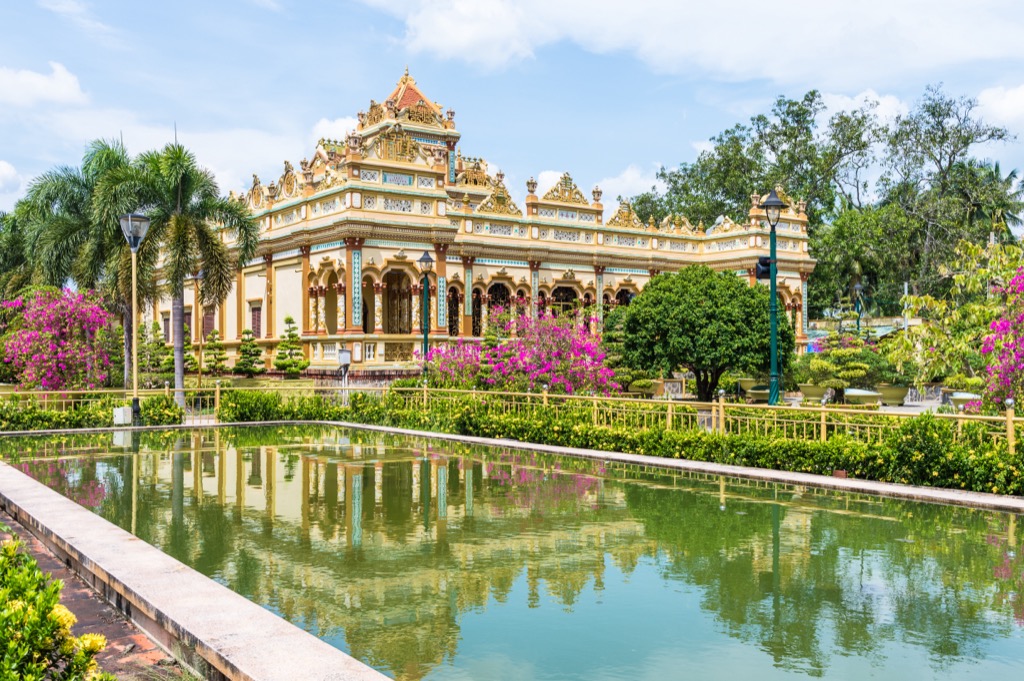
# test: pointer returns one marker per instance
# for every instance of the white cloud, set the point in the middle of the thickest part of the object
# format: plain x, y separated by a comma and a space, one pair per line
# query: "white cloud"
887, 109
702, 146
807, 41
546, 179
335, 130
27, 88
631, 181
232, 154
10, 181
1003, 105
79, 14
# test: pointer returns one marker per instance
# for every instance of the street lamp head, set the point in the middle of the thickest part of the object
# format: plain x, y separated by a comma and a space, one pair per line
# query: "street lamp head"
345, 357
857, 288
426, 262
1009, 403
773, 207
134, 227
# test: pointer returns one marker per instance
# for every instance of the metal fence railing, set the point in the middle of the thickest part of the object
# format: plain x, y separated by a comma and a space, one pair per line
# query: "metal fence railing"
201, 406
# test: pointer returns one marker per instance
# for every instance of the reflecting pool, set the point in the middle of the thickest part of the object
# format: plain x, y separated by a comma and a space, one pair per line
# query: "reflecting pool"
433, 560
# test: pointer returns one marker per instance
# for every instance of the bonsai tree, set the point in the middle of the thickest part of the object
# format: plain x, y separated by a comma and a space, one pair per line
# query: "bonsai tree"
289, 357
250, 356
215, 360
191, 363
845, 362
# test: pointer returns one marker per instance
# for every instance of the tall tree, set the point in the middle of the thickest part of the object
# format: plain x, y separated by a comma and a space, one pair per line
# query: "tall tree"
191, 223
703, 321
69, 239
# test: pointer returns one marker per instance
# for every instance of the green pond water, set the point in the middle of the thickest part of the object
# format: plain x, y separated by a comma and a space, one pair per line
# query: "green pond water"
432, 560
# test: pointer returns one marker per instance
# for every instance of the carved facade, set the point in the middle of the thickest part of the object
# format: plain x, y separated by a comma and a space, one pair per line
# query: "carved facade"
342, 235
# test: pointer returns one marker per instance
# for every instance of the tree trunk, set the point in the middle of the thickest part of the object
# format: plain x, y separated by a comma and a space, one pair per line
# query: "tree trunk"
126, 324
178, 335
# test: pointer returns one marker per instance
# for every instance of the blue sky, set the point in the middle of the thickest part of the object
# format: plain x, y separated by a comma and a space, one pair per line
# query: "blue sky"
608, 90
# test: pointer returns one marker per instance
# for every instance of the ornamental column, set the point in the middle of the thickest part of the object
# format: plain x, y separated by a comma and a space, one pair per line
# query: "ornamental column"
268, 331
309, 324
307, 291
416, 303
599, 283
802, 327
239, 303
378, 308
534, 287
467, 302
484, 322
441, 318
354, 282
339, 288
321, 311
197, 312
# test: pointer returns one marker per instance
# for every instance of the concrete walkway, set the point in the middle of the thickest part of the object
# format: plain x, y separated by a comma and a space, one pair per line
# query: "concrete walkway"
130, 655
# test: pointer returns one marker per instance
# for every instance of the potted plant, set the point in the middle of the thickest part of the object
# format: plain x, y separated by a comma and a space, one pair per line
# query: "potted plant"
960, 389
894, 386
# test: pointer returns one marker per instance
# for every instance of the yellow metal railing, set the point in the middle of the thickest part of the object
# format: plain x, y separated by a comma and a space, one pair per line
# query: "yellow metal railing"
806, 423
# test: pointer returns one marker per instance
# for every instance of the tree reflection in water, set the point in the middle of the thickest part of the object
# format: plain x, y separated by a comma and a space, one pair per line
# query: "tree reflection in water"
385, 546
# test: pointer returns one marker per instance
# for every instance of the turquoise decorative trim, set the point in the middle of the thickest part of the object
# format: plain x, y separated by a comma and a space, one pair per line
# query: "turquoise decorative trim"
442, 299
616, 270
357, 288
377, 243
505, 263
326, 246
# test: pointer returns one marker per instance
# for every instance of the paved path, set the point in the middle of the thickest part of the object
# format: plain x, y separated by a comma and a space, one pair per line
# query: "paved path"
130, 655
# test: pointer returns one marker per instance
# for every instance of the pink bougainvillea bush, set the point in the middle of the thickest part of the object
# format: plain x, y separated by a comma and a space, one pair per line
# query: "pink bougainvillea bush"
55, 346
558, 352
1004, 347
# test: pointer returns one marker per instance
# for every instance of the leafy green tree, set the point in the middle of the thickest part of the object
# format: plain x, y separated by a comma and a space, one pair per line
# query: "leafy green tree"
704, 321
69, 237
198, 230
250, 356
289, 357
215, 359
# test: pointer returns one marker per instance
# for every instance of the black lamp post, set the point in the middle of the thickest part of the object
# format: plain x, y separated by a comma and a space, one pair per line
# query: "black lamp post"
773, 207
134, 228
426, 264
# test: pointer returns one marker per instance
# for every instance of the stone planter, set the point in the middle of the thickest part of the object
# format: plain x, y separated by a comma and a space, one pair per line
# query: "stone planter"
858, 396
893, 395
959, 399
812, 392
758, 393
746, 384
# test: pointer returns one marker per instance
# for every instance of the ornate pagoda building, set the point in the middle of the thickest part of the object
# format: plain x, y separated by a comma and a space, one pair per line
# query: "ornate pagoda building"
342, 234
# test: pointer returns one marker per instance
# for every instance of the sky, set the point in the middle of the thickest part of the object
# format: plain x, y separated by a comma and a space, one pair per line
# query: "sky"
605, 89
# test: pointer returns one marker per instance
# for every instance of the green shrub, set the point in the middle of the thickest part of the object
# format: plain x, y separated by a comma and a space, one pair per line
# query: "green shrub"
161, 410
26, 413
36, 642
918, 451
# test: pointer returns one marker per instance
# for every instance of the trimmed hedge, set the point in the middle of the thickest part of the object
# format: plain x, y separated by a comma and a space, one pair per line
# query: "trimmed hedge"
920, 451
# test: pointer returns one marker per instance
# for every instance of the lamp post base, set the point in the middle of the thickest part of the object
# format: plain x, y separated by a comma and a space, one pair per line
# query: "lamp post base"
136, 412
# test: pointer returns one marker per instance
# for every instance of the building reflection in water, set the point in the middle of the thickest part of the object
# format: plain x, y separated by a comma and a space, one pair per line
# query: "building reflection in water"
383, 546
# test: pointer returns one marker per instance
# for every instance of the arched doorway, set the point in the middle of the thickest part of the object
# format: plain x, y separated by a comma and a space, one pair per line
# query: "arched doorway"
368, 303
331, 304
397, 301
563, 300
542, 303
623, 297
499, 298
454, 311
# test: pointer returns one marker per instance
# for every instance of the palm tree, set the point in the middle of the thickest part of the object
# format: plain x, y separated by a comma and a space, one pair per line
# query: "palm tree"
68, 239
15, 268
190, 223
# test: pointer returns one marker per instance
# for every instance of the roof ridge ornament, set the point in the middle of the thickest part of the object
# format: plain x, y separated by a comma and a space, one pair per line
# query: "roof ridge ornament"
566, 191
626, 217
